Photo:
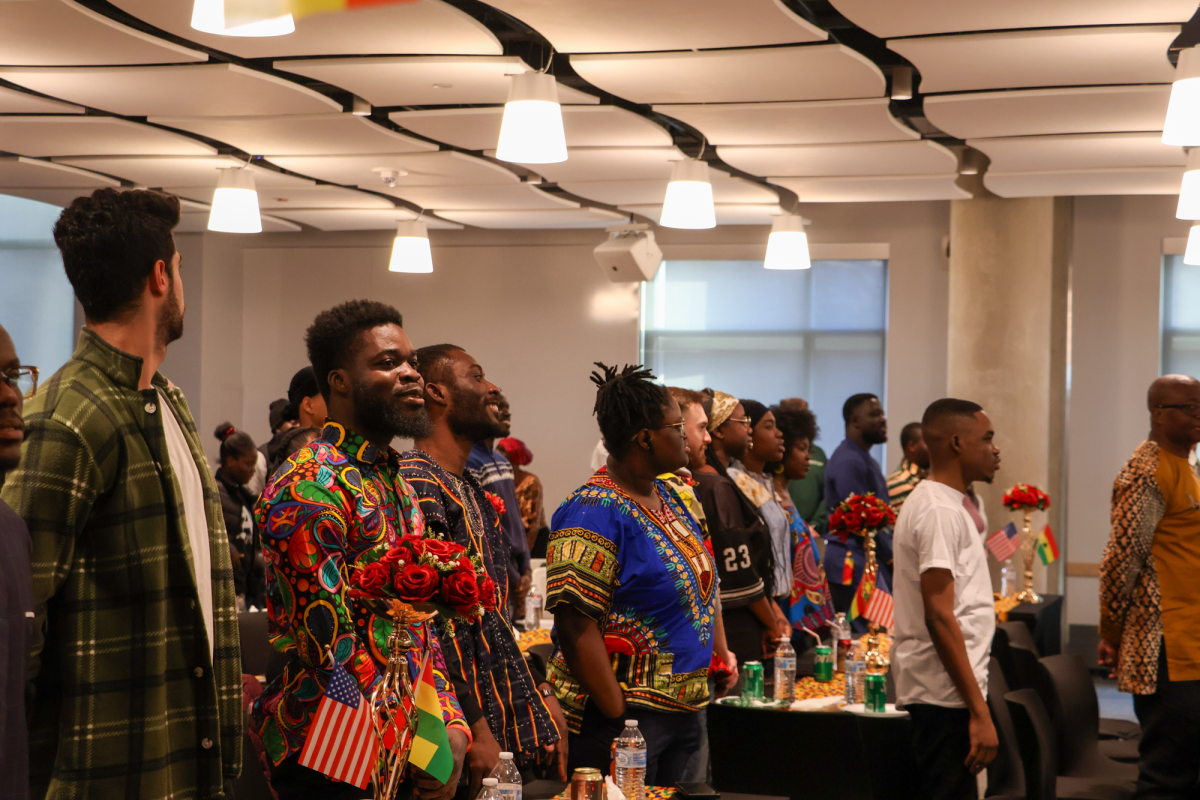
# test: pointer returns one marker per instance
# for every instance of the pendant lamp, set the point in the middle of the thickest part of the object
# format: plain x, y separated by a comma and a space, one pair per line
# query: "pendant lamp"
531, 131
410, 250
1189, 190
243, 17
235, 204
787, 246
689, 200
1182, 126
1191, 254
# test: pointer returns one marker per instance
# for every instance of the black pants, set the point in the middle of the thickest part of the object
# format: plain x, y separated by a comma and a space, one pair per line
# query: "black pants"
1169, 763
942, 742
294, 782
671, 738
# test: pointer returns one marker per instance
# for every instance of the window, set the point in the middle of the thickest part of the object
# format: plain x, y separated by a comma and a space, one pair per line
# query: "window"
1180, 317
819, 334
37, 305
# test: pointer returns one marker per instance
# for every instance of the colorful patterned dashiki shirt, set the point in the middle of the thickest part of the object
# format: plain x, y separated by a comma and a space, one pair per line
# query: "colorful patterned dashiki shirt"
812, 607
901, 482
490, 676
326, 506
646, 578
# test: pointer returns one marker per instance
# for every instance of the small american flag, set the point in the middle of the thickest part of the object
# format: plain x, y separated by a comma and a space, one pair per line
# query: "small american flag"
341, 742
1004, 542
880, 605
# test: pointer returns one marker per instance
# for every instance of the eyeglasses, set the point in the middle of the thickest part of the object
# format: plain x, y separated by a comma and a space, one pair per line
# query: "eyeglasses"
1191, 409
676, 425
23, 379
745, 421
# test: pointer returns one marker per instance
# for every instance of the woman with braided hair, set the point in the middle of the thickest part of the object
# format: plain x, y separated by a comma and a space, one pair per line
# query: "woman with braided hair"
632, 588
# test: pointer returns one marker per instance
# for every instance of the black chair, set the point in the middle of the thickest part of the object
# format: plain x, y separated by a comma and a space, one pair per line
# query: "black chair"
1005, 773
1111, 728
1039, 757
256, 647
1019, 635
1025, 667
1068, 693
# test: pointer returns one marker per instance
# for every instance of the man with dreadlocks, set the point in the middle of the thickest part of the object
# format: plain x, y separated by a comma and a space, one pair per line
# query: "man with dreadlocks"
633, 632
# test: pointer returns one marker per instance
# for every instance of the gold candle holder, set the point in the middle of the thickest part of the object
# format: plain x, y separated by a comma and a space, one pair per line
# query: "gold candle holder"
875, 661
394, 704
1028, 547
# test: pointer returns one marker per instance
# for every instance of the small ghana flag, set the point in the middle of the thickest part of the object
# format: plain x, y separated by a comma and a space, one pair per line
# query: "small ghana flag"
1047, 547
431, 746
866, 587
305, 8
341, 742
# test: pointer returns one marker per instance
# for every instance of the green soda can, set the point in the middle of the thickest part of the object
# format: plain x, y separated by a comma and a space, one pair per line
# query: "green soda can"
823, 665
752, 680
875, 694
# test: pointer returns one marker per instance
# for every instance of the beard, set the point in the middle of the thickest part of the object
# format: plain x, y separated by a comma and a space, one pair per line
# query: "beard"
874, 437
170, 319
386, 413
471, 421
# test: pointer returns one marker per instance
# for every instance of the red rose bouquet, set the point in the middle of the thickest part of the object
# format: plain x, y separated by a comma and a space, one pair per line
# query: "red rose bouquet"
497, 502
859, 515
1024, 497
429, 574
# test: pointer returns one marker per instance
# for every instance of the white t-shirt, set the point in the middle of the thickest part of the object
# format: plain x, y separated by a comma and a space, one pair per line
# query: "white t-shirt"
935, 531
192, 491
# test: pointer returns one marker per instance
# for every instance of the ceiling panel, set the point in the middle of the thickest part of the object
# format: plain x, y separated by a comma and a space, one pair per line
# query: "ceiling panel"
64, 33
196, 221
429, 26
875, 188
633, 192
14, 101
519, 196
1084, 109
816, 122
300, 135
875, 158
360, 219
447, 168
180, 171
603, 26
282, 199
1159, 180
1078, 152
85, 136
815, 72
207, 89
28, 173
424, 80
727, 214
560, 218
584, 126
1061, 57
611, 163
886, 18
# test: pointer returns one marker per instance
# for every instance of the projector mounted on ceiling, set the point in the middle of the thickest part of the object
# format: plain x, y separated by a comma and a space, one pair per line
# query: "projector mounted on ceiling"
629, 254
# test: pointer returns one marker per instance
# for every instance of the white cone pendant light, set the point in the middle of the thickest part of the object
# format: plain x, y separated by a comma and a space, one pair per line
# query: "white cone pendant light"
1182, 127
1189, 190
1191, 253
410, 250
235, 204
787, 246
532, 129
689, 200
243, 17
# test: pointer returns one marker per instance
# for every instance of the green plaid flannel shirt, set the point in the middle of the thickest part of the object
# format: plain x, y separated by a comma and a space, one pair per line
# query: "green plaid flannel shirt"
127, 703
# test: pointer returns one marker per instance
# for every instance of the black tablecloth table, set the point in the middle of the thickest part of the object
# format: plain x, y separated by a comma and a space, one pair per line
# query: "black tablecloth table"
1045, 622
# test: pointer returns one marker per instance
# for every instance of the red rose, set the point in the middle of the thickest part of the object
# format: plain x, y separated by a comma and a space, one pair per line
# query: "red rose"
414, 543
416, 583
395, 555
441, 550
464, 563
460, 591
373, 577
487, 593
853, 522
496, 501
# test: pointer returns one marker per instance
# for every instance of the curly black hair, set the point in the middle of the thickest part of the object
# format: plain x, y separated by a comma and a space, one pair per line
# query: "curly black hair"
432, 358
332, 337
795, 425
110, 242
627, 402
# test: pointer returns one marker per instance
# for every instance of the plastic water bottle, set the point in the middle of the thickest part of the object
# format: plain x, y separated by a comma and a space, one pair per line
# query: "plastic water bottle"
856, 667
490, 792
785, 672
839, 630
508, 778
630, 762
1008, 579
533, 611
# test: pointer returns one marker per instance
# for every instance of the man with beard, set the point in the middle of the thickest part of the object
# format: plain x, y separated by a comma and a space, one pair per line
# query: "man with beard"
323, 510
136, 666
853, 470
508, 708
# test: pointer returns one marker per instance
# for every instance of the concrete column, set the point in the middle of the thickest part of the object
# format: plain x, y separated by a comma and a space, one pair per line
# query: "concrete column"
1009, 347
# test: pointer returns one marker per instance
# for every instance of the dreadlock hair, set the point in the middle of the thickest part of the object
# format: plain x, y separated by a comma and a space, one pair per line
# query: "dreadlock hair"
627, 402
234, 443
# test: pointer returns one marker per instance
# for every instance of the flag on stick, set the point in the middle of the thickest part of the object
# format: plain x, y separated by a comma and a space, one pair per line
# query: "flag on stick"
431, 746
1003, 543
1047, 547
880, 605
867, 583
341, 741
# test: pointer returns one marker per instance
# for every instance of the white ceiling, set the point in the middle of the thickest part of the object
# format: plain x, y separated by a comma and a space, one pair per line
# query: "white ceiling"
42, 33
1081, 109
611, 164
428, 26
88, 136
424, 80
1160, 180
560, 218
584, 126
815, 72
727, 214
447, 168
359, 219
625, 26
13, 101
28, 173
633, 192
872, 158
300, 135
1059, 57
208, 89
875, 188
1078, 151
888, 18
815, 122
518, 196
163, 171
196, 221
284, 199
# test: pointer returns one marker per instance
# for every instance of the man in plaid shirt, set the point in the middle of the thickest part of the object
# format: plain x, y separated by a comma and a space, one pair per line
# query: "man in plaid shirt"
136, 665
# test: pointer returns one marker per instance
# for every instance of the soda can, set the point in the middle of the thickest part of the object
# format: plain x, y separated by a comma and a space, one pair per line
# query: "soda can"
875, 693
752, 680
823, 665
587, 784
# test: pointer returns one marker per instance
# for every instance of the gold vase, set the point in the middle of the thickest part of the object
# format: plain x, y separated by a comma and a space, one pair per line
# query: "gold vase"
875, 661
1028, 547
394, 704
